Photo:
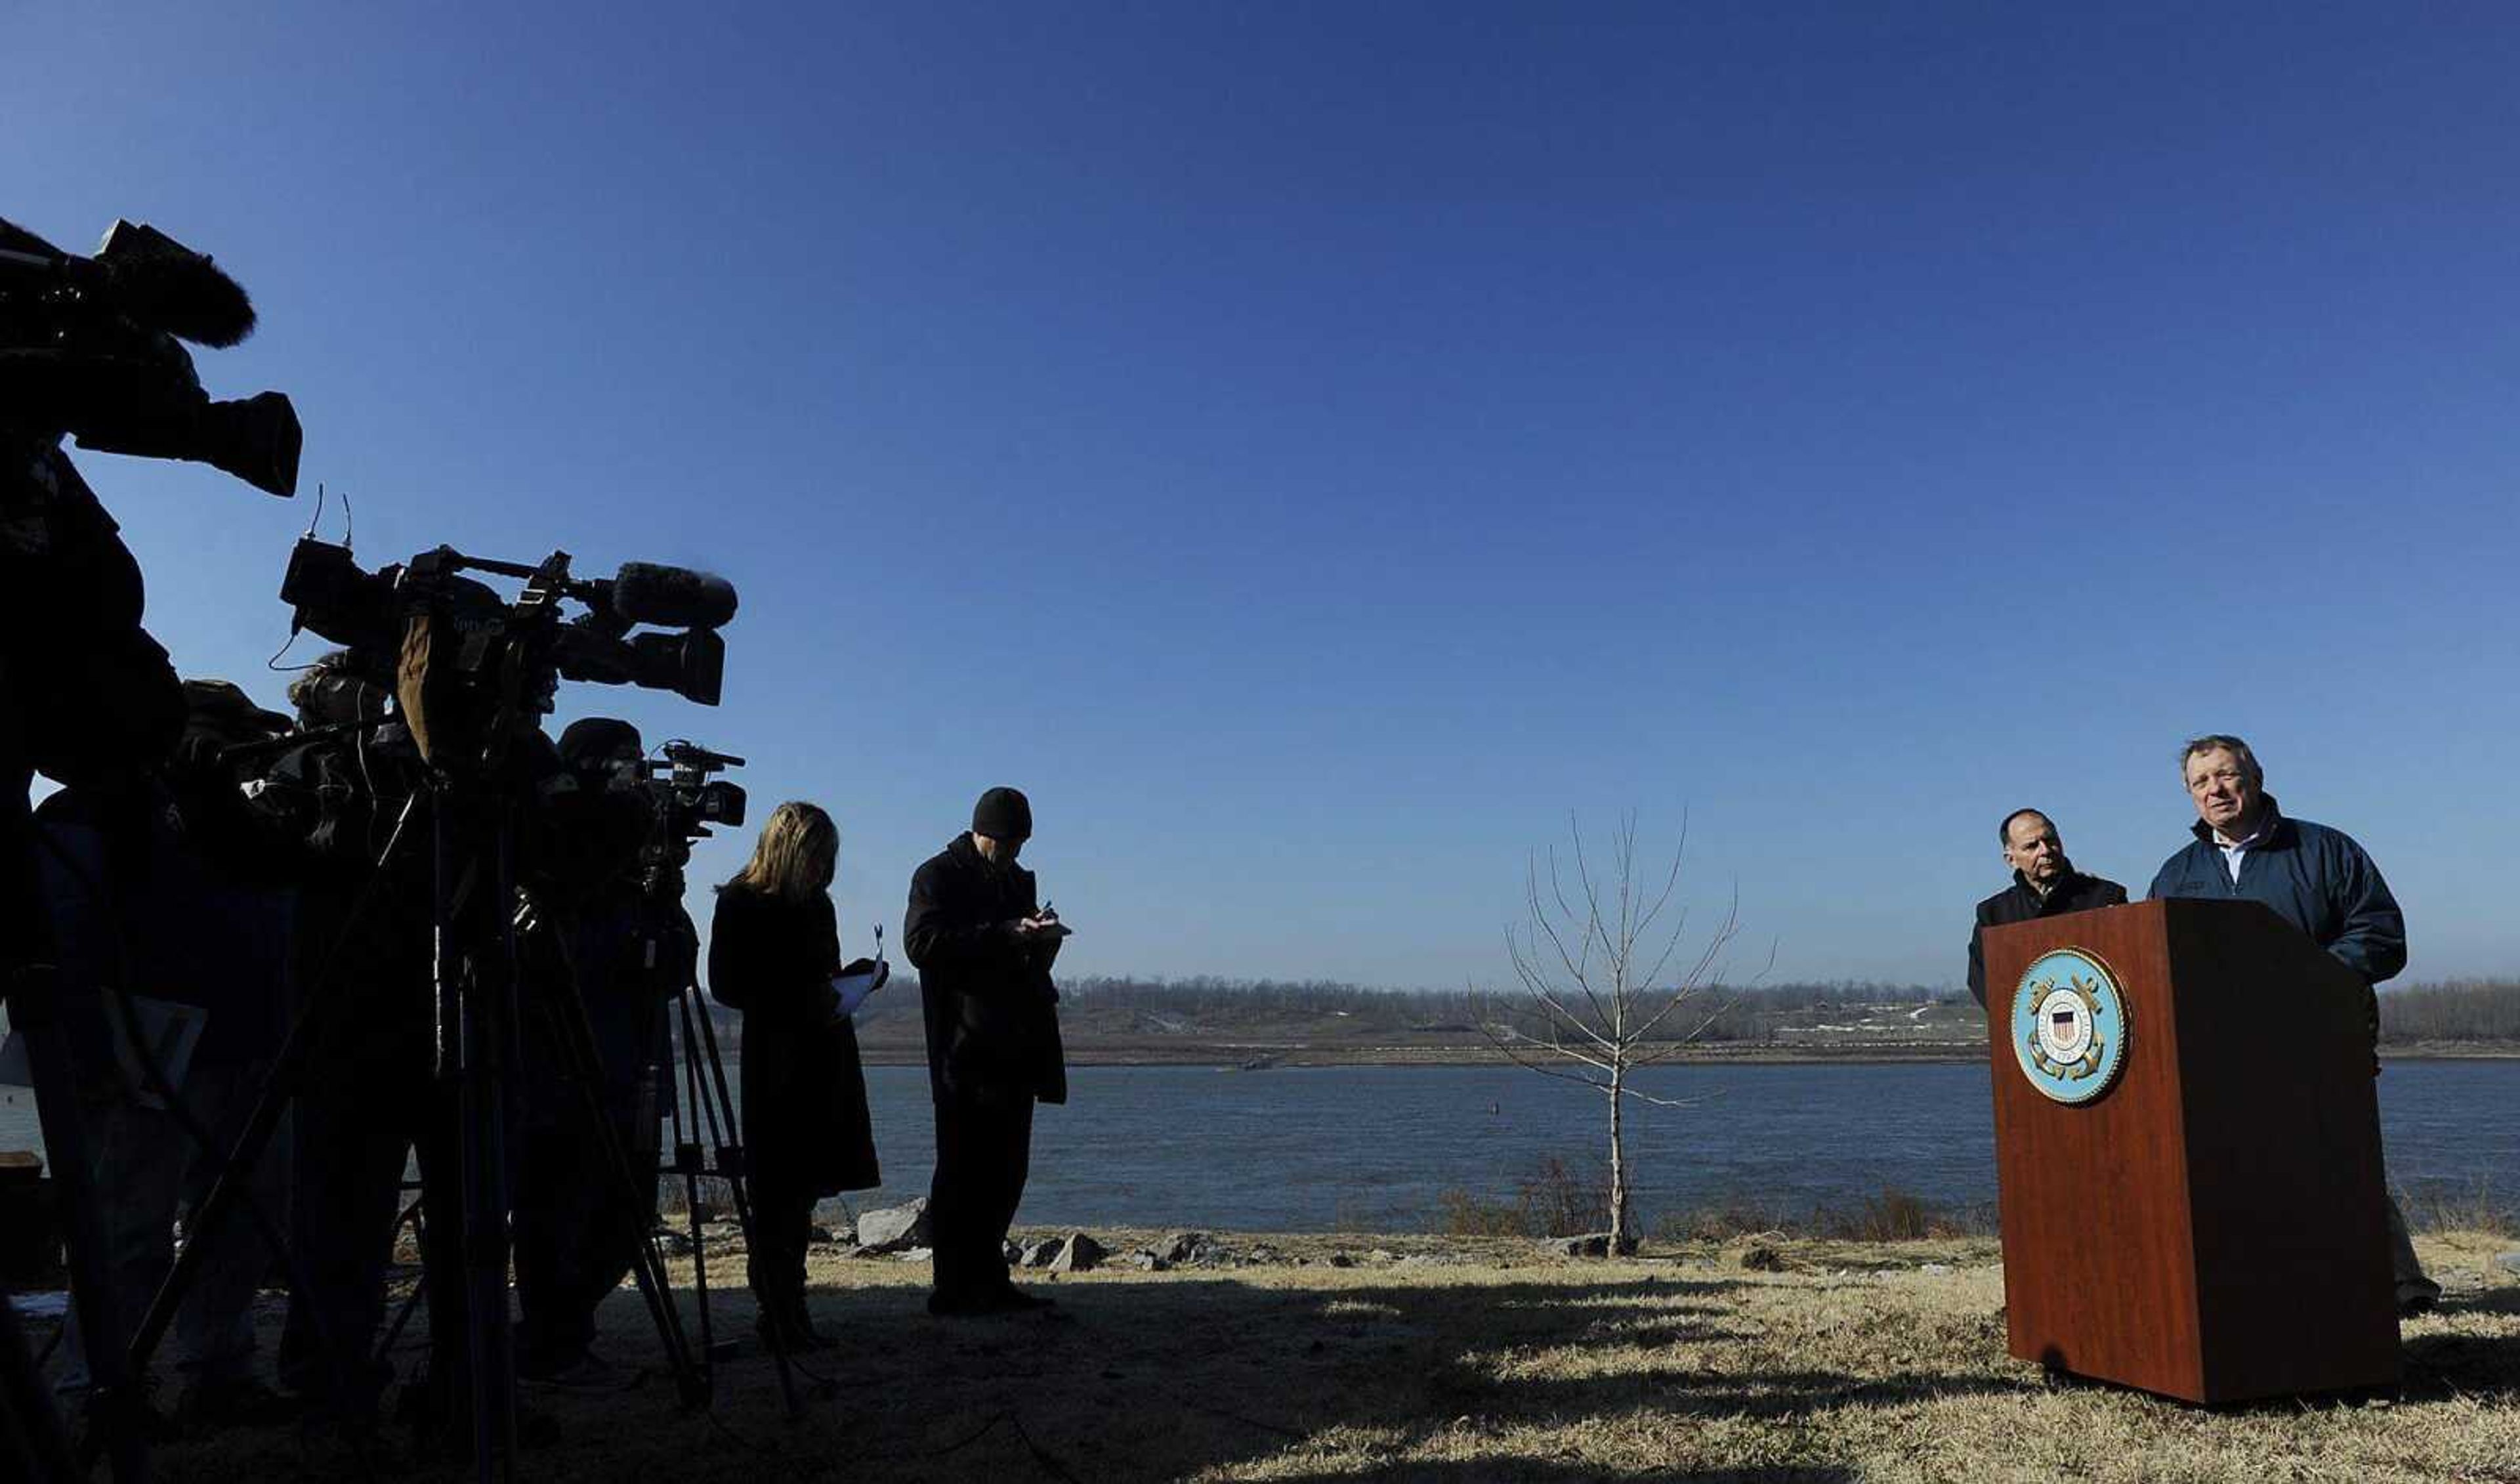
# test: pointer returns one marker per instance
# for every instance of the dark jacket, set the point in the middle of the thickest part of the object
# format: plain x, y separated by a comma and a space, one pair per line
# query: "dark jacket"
2019, 903
150, 895
992, 1011
86, 696
2317, 878
806, 1121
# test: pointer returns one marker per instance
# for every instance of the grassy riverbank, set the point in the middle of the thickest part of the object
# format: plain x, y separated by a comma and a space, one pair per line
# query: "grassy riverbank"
1458, 1359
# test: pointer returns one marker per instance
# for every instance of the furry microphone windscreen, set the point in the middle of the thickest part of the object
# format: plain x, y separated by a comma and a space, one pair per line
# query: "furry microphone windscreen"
672, 596
161, 283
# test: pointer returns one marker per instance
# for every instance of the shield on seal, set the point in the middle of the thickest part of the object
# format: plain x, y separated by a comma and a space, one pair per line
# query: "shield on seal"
2065, 998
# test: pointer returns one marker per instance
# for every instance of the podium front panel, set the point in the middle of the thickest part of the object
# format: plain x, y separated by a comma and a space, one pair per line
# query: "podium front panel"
2098, 1258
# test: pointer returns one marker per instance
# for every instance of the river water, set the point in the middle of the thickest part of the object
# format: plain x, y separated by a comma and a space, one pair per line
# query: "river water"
1374, 1148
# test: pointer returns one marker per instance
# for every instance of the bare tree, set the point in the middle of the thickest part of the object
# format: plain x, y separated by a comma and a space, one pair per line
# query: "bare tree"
1596, 1001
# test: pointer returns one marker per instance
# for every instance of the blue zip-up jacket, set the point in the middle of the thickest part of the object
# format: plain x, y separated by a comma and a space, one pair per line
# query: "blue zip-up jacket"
2317, 878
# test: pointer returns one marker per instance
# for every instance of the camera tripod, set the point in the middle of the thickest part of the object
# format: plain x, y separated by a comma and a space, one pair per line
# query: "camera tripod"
703, 1107
707, 1103
477, 1024
474, 1026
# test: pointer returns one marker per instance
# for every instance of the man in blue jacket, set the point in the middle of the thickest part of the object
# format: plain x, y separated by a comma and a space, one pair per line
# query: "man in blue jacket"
2317, 878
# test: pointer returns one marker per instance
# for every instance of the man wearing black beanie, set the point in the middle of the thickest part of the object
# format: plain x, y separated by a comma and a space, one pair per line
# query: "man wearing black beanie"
983, 946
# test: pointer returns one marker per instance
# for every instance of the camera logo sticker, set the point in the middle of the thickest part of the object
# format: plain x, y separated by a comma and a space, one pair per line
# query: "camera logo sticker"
2069, 1025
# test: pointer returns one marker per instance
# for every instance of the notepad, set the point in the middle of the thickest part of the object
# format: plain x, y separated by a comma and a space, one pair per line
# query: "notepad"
853, 989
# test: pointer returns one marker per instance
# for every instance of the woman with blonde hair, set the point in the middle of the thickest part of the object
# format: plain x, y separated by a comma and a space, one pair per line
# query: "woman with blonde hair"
774, 952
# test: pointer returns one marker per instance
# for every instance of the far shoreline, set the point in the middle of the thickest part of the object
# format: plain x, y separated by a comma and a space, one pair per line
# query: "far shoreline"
1264, 1057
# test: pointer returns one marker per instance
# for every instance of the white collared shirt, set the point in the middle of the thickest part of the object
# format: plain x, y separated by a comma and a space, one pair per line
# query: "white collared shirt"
2232, 850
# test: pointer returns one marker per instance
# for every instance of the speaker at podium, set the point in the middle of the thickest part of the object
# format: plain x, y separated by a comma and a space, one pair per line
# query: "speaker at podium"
2188, 1144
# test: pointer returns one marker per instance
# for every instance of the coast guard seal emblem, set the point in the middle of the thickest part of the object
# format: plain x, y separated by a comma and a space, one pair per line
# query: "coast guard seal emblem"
2069, 1025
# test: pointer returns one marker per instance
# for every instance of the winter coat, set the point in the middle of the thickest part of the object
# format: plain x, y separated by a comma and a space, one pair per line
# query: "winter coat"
992, 1012
2317, 878
806, 1121
153, 896
86, 696
2073, 892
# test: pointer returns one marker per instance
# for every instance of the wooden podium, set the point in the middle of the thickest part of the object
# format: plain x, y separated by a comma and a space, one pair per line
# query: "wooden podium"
2211, 1226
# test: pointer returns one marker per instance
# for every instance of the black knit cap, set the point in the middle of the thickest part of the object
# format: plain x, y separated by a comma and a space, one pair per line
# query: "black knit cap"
1003, 814
590, 736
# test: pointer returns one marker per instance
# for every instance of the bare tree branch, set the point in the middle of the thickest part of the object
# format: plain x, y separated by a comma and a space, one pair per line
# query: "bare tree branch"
1600, 1008
1578, 971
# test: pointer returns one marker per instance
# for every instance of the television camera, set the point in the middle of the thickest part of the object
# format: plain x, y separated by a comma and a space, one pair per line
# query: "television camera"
472, 670
89, 347
687, 801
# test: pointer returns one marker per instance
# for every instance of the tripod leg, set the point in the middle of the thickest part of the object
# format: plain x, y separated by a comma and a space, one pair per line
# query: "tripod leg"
280, 1087
418, 1290
686, 1158
576, 1038
465, 1044
202, 1227
720, 1116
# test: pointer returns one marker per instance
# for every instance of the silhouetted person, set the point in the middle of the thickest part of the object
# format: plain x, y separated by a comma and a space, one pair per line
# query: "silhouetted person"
367, 1100
774, 949
984, 946
165, 891
2045, 884
577, 1230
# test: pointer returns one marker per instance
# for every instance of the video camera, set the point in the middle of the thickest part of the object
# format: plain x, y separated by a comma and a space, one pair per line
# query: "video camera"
688, 799
89, 346
464, 659
685, 801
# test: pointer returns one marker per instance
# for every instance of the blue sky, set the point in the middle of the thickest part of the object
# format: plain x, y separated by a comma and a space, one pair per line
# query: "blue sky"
1315, 448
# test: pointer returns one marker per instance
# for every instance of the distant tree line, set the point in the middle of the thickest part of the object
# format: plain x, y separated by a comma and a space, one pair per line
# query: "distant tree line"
1209, 997
2455, 1010
2449, 1012
1726, 1013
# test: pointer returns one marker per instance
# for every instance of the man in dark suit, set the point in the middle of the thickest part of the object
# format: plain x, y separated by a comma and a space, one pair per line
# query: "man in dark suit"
983, 944
2045, 884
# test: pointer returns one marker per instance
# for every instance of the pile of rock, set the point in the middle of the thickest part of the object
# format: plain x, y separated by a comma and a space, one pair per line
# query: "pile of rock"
1079, 1252
899, 1232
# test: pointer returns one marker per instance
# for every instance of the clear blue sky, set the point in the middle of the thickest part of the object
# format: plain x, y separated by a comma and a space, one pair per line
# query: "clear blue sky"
1313, 448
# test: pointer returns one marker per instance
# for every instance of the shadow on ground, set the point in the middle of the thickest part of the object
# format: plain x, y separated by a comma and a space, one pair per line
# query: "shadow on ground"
1174, 1376
1537, 1373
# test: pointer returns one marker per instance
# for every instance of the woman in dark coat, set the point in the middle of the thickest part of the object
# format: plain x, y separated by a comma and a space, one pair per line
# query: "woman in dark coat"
773, 953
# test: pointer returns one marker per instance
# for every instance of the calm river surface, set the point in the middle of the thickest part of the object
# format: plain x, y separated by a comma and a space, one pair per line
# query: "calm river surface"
1374, 1148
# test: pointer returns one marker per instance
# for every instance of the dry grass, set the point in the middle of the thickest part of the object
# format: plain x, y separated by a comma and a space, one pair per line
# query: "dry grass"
1445, 1359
